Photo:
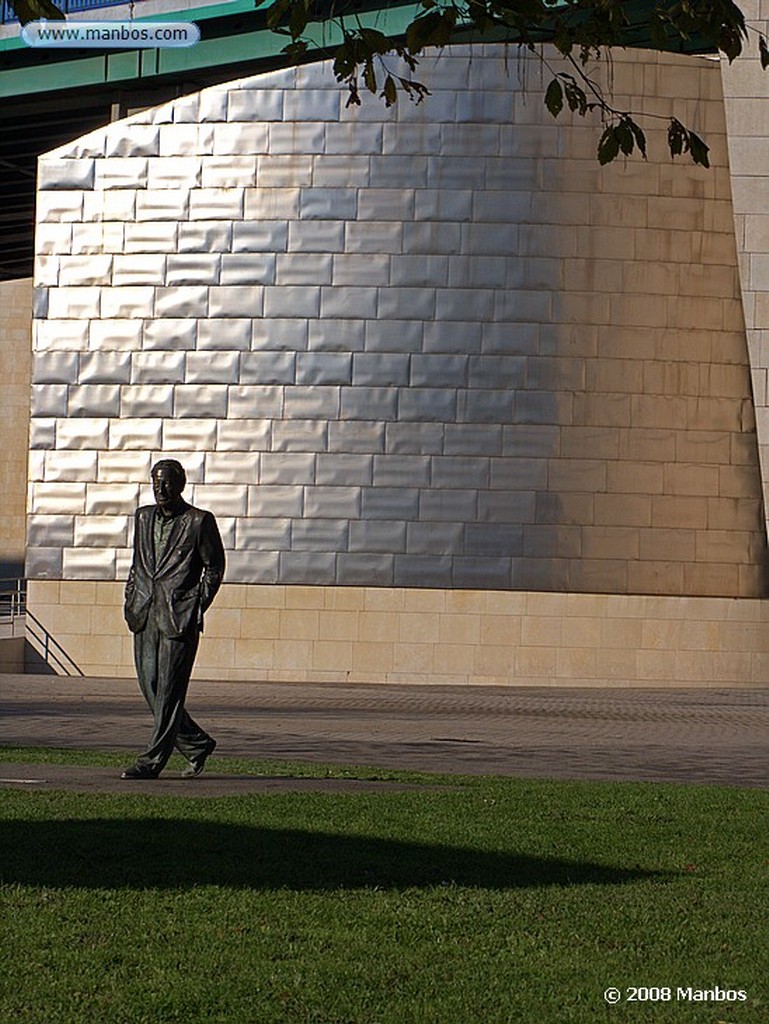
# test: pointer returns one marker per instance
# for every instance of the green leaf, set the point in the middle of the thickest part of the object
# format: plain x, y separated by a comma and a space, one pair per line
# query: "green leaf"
624, 136
298, 18
698, 150
276, 12
35, 10
676, 137
369, 76
576, 98
390, 92
638, 135
764, 52
554, 97
608, 147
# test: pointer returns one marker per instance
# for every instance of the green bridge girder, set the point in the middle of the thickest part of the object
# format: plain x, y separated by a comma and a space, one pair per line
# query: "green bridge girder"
234, 40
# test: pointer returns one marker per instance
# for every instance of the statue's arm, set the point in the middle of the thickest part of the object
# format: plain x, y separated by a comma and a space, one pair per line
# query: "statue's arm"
212, 556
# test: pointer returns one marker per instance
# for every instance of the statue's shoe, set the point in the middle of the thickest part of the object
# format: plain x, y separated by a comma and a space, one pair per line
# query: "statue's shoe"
197, 764
139, 771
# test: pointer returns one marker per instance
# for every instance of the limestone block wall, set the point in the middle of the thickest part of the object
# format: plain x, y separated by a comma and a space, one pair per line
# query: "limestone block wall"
747, 116
15, 368
431, 347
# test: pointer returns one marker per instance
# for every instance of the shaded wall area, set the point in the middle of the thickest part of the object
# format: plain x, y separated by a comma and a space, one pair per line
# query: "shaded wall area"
15, 370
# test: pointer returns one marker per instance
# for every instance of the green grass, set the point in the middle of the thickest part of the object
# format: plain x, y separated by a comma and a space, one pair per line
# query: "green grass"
485, 901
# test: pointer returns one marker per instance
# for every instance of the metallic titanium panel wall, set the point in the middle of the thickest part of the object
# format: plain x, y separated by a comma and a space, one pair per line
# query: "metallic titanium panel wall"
434, 347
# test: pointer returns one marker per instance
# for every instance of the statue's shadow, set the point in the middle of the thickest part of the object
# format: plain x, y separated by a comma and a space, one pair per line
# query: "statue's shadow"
173, 853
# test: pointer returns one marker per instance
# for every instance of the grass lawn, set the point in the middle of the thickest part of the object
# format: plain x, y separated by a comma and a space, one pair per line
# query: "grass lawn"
477, 901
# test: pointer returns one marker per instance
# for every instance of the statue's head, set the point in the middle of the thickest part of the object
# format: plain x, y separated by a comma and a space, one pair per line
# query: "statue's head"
168, 482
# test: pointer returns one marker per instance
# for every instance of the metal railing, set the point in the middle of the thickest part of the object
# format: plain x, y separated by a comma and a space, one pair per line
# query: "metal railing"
13, 606
8, 16
16, 620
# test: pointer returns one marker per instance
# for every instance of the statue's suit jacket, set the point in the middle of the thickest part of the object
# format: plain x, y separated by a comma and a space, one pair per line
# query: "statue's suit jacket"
183, 583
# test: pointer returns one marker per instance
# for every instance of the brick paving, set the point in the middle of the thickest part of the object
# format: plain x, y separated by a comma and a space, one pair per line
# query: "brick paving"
705, 736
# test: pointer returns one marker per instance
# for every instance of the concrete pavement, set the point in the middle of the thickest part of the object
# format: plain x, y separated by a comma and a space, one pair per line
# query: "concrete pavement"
718, 736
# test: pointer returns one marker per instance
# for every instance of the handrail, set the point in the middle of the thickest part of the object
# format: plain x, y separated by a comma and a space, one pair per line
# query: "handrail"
13, 599
13, 609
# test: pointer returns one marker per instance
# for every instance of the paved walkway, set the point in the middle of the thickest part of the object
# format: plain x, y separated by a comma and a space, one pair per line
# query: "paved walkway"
692, 736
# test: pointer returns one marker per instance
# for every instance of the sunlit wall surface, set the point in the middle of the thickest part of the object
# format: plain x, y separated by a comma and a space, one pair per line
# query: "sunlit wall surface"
432, 347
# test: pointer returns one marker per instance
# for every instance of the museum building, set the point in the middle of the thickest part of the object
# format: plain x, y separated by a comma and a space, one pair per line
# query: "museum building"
468, 407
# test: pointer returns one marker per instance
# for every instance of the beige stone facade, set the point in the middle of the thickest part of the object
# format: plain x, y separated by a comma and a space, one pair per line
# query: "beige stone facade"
15, 370
375, 635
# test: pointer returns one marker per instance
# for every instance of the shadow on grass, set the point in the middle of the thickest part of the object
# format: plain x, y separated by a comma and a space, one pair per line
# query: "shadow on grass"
180, 854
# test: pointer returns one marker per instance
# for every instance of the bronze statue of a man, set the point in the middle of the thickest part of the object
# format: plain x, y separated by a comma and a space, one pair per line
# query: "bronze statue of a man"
177, 568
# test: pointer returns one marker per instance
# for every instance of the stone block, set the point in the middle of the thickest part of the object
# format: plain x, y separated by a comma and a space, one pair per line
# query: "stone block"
146, 400
170, 334
361, 403
200, 402
448, 505
328, 204
235, 301
327, 335
415, 438
401, 470
88, 563
380, 369
287, 468
389, 503
73, 303
268, 368
182, 172
299, 436
221, 499
298, 139
255, 402
436, 405
192, 269
93, 400
227, 335
312, 402
460, 337
242, 435
281, 333
291, 301
374, 237
240, 137
82, 432
303, 269
342, 302
433, 538
138, 434
123, 466
324, 236
314, 368
162, 205
213, 236
227, 172
212, 368
365, 569
159, 367
125, 304
377, 536
290, 172
110, 367
55, 368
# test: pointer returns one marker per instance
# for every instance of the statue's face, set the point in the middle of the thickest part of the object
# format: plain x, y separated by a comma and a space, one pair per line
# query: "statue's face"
166, 486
